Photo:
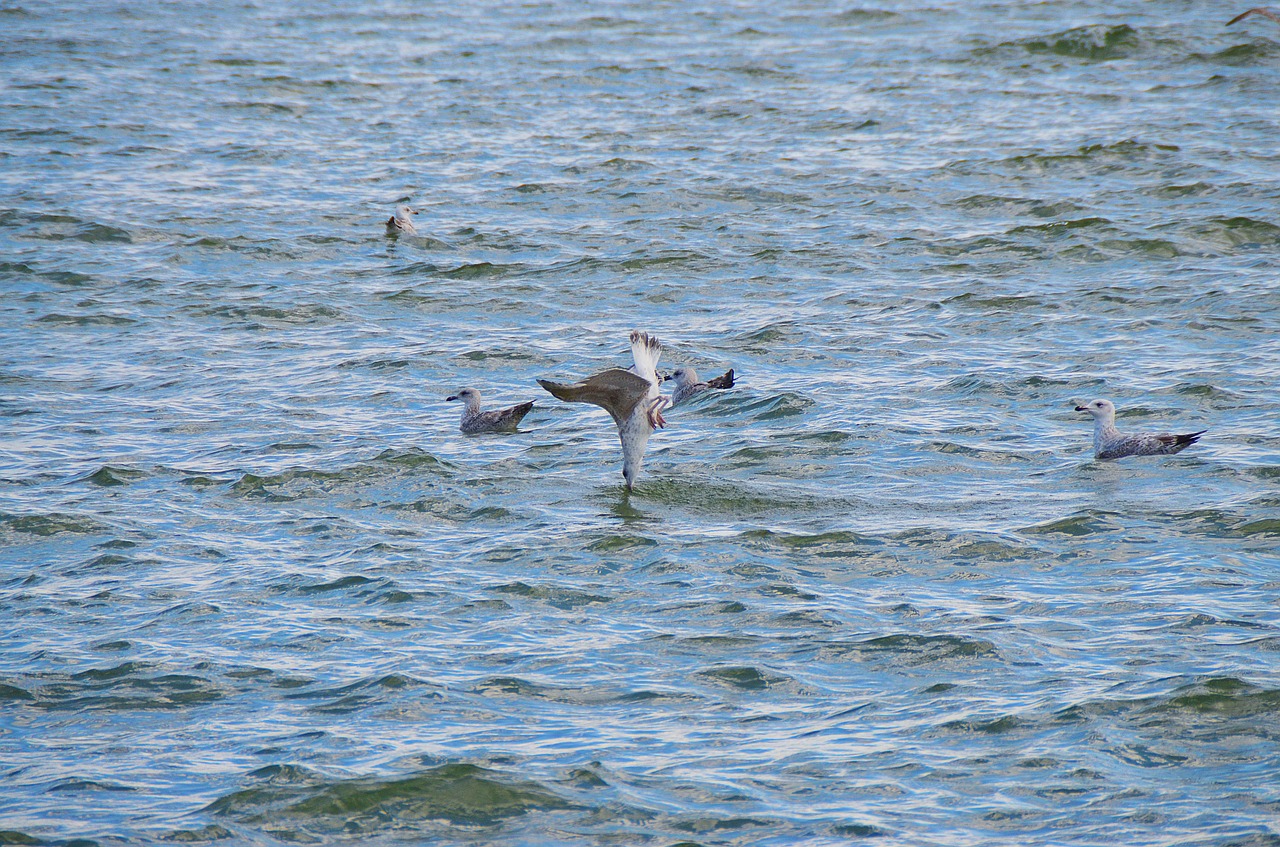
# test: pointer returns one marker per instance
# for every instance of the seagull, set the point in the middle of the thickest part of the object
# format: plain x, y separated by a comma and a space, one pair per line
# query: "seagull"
402, 222
687, 385
630, 398
1266, 13
1110, 443
497, 420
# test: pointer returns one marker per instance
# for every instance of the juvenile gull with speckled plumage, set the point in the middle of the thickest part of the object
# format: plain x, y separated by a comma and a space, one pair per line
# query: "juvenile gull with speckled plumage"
630, 397
498, 420
687, 384
1110, 443
402, 222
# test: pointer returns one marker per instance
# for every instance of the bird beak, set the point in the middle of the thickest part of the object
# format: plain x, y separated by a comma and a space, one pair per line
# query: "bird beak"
668, 376
1081, 409
451, 397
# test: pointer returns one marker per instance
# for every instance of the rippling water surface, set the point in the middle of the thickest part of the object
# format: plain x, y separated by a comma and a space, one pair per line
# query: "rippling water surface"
258, 589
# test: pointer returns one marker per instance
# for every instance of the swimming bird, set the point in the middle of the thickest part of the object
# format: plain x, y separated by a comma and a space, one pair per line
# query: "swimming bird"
1264, 12
402, 222
1110, 443
497, 420
687, 384
631, 399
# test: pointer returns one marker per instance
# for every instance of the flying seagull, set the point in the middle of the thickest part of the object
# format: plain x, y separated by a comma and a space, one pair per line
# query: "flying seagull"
630, 398
402, 222
687, 384
497, 420
1110, 443
1264, 12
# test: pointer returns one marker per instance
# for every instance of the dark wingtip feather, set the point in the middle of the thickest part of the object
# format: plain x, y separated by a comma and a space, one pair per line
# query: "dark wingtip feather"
1190, 438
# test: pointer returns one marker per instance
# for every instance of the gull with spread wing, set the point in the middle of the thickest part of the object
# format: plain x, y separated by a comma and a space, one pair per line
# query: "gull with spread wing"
630, 397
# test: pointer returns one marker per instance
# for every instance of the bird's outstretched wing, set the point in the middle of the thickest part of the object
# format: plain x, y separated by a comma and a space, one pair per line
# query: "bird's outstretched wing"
615, 390
1266, 13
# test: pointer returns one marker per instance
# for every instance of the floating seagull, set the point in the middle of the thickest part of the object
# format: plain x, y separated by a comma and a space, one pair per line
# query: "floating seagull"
498, 420
631, 399
402, 221
1110, 443
687, 384
1264, 12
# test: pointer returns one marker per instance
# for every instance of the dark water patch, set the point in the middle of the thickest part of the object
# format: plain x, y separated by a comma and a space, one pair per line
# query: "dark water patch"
996, 302
74, 784
301, 314
839, 544
744, 677
1016, 206
722, 498
785, 405
364, 693
307, 482
1260, 52
1152, 248
11, 836
553, 595
91, 233
1059, 228
914, 650
1089, 523
459, 795
415, 296
987, 726
1098, 158
85, 320
1230, 233
50, 524
365, 586
109, 476
482, 270
1223, 697
1096, 43
130, 686
520, 689
13, 692
859, 830
212, 832
611, 543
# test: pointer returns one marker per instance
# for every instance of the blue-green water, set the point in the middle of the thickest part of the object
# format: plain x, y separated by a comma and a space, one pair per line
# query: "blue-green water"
258, 589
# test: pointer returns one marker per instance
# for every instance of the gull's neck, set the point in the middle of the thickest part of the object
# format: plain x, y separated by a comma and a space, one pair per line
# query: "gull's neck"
1104, 430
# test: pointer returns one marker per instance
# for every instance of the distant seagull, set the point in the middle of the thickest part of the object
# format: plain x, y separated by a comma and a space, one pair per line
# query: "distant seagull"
1266, 13
498, 420
687, 385
1110, 443
402, 222
631, 399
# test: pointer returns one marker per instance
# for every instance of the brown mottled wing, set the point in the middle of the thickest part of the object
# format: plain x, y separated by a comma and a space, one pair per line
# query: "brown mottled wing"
615, 390
1266, 13
509, 419
725, 381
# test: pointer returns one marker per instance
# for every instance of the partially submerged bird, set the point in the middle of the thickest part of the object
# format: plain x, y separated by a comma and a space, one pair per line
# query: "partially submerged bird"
497, 420
687, 384
1110, 443
630, 397
402, 222
1264, 12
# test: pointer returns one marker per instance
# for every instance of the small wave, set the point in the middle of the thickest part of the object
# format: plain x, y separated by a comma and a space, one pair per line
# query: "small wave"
553, 595
744, 677
456, 794
1096, 43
